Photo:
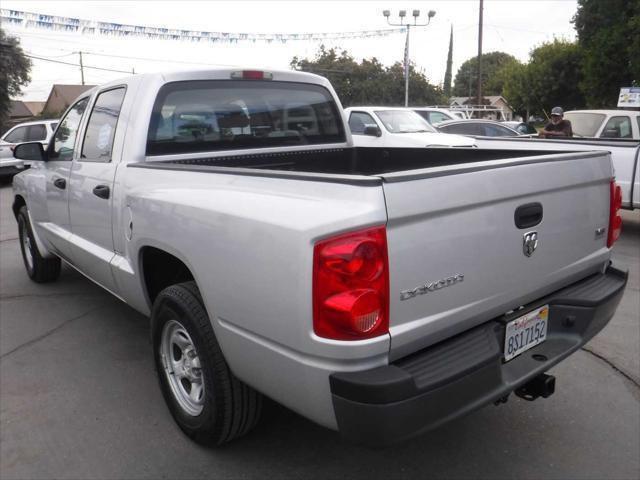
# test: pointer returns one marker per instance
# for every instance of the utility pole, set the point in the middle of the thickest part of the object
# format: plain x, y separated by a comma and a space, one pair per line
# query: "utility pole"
480, 54
81, 68
402, 14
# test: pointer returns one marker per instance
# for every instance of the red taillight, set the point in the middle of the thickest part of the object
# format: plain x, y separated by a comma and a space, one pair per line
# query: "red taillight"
351, 286
615, 220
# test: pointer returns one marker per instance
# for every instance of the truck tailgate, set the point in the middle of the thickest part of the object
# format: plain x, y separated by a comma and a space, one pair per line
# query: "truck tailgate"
457, 254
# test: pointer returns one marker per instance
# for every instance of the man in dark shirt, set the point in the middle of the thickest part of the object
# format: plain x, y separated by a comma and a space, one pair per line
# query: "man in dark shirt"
557, 127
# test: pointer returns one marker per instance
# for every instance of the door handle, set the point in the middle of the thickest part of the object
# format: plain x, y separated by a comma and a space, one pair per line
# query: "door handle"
102, 191
528, 215
60, 183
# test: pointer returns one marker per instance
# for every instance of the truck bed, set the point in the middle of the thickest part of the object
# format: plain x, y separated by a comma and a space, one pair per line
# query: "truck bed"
357, 161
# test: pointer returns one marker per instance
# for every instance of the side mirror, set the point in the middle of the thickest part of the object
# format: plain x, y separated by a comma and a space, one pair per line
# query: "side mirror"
372, 131
30, 151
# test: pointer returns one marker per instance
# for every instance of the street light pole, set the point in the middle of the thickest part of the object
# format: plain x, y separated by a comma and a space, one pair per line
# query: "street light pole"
402, 14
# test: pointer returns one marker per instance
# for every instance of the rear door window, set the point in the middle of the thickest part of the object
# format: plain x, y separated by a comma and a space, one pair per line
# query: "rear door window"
17, 136
198, 116
36, 133
101, 128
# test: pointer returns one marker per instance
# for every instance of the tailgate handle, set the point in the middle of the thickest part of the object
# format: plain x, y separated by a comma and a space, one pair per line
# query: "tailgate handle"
528, 215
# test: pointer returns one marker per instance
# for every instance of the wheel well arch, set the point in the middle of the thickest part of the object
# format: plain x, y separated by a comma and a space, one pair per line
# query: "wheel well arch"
18, 203
161, 269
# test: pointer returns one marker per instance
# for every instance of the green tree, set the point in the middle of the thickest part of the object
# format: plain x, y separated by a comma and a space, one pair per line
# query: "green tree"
369, 82
550, 78
518, 90
492, 78
609, 35
14, 73
448, 72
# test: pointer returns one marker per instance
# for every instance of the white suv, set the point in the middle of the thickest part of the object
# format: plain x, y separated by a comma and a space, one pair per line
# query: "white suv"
39, 131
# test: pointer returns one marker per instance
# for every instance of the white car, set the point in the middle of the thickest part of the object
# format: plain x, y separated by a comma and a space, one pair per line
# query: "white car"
38, 131
605, 123
397, 127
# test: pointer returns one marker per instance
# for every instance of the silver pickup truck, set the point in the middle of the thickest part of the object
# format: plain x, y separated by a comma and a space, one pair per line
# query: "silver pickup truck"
377, 292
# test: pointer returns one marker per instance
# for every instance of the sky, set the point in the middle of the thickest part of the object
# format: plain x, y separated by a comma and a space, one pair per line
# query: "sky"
512, 26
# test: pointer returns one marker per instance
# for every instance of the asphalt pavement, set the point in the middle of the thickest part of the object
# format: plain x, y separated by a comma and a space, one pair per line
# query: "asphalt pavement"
79, 399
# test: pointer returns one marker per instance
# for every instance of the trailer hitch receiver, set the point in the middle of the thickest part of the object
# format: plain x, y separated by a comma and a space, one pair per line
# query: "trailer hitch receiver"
541, 386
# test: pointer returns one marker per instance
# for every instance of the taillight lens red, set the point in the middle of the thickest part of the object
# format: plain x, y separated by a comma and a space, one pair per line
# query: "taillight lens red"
615, 220
351, 285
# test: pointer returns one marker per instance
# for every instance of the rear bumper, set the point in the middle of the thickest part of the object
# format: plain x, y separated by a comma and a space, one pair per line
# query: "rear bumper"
429, 388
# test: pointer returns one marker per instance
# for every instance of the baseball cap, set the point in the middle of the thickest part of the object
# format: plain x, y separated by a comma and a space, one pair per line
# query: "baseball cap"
557, 111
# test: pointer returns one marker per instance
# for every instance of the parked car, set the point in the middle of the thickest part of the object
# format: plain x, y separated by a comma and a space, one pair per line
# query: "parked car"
380, 292
605, 123
477, 127
397, 127
37, 131
522, 128
434, 115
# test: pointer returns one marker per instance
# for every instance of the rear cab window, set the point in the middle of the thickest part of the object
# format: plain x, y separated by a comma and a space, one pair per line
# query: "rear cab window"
585, 124
210, 115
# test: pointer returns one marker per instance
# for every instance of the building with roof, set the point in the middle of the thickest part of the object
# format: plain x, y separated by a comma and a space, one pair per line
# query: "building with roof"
61, 97
35, 107
494, 107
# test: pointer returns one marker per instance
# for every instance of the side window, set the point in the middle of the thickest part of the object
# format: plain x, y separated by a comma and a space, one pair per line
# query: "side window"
437, 117
462, 129
17, 136
424, 114
359, 120
36, 133
617, 127
101, 128
497, 131
63, 143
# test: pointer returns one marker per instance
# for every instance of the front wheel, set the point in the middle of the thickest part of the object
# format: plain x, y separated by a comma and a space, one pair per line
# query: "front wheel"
206, 400
39, 269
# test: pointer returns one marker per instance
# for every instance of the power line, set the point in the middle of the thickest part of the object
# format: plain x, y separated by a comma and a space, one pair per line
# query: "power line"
76, 64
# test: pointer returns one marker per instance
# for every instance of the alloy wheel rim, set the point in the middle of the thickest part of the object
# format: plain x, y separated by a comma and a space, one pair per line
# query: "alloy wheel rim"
182, 367
26, 247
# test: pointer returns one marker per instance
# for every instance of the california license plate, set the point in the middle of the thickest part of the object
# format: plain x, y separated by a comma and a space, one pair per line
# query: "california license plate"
526, 332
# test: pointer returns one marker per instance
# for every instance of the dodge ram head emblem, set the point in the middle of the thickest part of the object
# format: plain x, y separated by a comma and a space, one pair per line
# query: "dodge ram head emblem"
529, 243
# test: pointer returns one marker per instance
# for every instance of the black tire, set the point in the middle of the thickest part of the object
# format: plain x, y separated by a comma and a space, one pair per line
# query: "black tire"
230, 408
39, 269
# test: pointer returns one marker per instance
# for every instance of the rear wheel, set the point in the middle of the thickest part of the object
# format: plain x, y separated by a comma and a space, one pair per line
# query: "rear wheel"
206, 400
39, 269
